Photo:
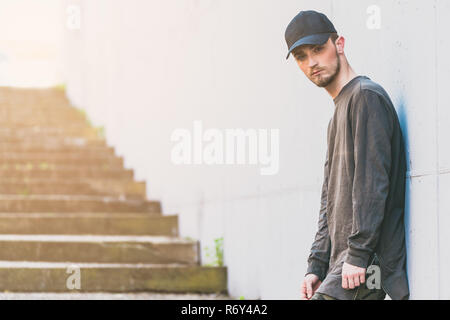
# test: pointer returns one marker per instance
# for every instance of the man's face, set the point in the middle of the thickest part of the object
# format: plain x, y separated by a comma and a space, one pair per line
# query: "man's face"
323, 58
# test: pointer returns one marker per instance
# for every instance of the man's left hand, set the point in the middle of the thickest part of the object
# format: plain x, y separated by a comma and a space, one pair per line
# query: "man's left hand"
352, 276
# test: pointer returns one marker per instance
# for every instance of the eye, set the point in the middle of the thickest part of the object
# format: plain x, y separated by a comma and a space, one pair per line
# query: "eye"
317, 49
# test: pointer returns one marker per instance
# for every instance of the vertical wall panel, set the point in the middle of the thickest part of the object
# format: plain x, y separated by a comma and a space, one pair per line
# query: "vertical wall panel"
443, 121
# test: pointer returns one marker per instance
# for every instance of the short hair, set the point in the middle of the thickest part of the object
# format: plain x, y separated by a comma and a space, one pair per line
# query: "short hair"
334, 37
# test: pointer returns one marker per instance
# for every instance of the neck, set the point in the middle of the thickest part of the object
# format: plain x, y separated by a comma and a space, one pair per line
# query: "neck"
345, 75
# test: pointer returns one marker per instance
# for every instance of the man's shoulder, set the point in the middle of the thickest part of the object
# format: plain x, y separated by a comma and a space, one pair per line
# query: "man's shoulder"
368, 87
371, 100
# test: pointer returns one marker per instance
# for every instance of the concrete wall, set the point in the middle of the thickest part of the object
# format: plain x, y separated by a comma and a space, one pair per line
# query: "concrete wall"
145, 68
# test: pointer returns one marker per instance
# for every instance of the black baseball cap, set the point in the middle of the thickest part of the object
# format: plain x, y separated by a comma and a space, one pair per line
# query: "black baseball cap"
308, 27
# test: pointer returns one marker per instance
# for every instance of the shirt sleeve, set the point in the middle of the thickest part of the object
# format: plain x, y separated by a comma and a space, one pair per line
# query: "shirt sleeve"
372, 129
318, 259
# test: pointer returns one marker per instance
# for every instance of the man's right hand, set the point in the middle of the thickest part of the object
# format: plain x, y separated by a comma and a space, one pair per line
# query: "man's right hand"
309, 286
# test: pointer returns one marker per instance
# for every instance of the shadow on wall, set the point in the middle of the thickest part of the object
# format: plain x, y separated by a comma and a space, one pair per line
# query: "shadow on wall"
403, 119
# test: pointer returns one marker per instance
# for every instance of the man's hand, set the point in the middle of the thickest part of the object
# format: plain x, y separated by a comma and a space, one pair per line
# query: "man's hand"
352, 276
309, 286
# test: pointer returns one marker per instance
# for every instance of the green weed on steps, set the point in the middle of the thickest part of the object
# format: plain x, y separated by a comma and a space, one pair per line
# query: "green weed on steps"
215, 255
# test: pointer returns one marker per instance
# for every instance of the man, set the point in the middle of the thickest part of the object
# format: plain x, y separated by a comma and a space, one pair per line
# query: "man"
362, 201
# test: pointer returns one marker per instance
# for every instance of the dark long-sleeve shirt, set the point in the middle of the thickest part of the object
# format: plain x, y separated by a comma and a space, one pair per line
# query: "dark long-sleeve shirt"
363, 192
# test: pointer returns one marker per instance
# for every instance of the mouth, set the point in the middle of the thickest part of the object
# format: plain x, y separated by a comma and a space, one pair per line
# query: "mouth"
317, 72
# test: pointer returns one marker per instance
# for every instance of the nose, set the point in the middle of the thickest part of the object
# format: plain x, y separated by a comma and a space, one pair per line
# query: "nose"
311, 62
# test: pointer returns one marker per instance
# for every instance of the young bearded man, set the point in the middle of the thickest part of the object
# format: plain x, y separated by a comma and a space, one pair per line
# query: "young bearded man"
362, 202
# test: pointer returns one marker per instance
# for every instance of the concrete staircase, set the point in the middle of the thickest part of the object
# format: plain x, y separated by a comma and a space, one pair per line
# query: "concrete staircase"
67, 202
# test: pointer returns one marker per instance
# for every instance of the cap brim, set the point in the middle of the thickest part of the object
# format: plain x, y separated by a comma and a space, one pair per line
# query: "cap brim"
319, 38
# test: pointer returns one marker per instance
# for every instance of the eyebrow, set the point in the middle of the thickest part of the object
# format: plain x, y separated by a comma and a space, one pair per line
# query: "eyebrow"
312, 46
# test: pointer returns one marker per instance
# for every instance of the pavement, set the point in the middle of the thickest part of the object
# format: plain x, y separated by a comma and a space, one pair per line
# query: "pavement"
110, 296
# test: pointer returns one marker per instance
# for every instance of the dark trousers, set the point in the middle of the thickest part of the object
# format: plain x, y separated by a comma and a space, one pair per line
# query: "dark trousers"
362, 292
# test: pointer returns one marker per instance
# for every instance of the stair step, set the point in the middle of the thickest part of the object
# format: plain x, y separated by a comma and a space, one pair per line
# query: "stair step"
42, 148
75, 186
15, 135
83, 223
74, 158
30, 120
61, 127
112, 296
41, 113
46, 166
98, 249
51, 140
66, 172
24, 93
53, 277
60, 203
69, 131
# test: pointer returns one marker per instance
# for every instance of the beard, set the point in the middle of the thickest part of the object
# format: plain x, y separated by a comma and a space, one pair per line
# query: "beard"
322, 80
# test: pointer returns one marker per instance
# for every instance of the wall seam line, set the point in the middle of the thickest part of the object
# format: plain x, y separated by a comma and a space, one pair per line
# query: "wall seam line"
437, 145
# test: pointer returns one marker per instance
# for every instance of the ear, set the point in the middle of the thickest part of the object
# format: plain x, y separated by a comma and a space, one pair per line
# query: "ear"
340, 44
